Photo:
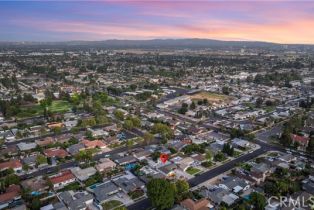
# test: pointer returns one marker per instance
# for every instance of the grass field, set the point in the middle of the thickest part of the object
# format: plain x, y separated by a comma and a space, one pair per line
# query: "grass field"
35, 110
192, 171
211, 97
60, 106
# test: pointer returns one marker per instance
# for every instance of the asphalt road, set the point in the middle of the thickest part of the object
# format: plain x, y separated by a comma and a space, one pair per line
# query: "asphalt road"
73, 163
32, 139
145, 203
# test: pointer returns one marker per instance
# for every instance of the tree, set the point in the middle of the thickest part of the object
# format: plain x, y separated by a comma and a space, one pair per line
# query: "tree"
161, 193
192, 105
101, 119
25, 167
136, 121
44, 104
85, 155
36, 204
208, 155
88, 122
128, 124
183, 109
269, 103
182, 189
258, 201
310, 146
155, 155
219, 156
163, 130
226, 90
57, 130
40, 159
148, 137
259, 102
191, 148
228, 149
285, 138
119, 115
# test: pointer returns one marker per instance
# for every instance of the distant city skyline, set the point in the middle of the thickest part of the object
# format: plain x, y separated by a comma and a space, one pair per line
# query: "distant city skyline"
287, 22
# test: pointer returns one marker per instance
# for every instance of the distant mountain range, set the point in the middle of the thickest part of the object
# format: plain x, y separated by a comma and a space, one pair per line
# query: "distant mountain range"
157, 43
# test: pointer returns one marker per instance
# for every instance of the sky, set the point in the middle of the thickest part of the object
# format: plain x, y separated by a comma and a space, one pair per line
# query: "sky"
249, 20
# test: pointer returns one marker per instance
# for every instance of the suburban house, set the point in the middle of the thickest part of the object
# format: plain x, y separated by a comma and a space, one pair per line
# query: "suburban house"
45, 142
83, 174
129, 183
55, 152
54, 125
76, 200
308, 184
26, 146
37, 185
168, 170
75, 148
30, 160
62, 179
126, 160
260, 171
142, 155
105, 165
16, 165
104, 191
301, 141
218, 195
234, 184
201, 204
185, 163
94, 144
12, 193
240, 143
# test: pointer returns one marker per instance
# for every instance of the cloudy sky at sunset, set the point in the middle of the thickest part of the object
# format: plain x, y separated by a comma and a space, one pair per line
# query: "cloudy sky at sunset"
273, 21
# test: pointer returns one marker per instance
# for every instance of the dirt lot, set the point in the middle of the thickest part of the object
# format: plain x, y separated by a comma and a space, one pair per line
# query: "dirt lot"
211, 97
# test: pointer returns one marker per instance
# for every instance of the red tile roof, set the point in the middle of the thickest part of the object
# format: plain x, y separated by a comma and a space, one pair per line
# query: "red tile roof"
61, 153
93, 144
64, 176
10, 164
301, 139
197, 205
11, 192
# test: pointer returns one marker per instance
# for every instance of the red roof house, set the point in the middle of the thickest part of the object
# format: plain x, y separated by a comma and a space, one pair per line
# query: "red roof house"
60, 153
301, 140
62, 179
94, 144
13, 164
11, 194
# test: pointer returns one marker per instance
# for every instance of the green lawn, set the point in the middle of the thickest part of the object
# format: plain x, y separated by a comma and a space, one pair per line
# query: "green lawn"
207, 164
237, 154
60, 106
136, 194
111, 204
73, 186
192, 171
270, 109
35, 110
